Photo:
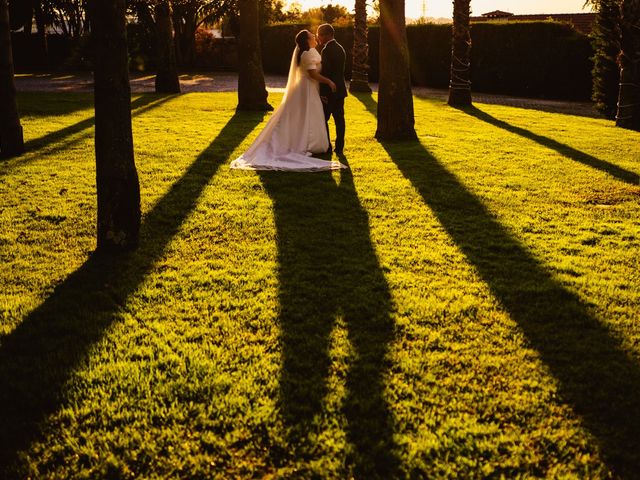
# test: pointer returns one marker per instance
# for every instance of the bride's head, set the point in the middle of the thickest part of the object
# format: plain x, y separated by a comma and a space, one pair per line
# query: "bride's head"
305, 40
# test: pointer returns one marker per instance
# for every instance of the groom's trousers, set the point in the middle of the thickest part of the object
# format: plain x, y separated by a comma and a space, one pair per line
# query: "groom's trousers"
335, 106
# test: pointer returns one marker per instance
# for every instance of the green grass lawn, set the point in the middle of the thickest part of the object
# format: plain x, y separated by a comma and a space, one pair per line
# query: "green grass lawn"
463, 307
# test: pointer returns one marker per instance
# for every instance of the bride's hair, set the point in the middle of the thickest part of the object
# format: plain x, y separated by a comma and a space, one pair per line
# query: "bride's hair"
302, 41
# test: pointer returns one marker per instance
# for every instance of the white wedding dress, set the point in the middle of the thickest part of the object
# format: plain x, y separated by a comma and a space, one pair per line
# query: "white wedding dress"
297, 128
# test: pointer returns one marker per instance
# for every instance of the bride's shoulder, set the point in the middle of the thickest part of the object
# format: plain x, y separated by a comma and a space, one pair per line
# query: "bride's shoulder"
312, 53
310, 57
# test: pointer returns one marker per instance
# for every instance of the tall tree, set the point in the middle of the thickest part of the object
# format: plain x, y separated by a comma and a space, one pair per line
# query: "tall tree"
21, 14
460, 77
395, 100
252, 92
628, 115
188, 16
606, 46
360, 69
116, 175
43, 19
167, 72
333, 13
70, 16
11, 139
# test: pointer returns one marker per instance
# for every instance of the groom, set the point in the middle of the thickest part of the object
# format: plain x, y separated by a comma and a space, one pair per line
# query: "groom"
333, 58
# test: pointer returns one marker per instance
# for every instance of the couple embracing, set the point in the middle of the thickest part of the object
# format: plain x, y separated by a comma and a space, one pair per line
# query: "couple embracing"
299, 128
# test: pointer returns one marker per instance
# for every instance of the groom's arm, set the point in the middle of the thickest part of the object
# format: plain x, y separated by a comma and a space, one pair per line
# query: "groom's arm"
326, 71
340, 63
331, 63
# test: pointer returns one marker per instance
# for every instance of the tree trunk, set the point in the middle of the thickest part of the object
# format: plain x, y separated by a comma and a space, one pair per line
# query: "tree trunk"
606, 45
28, 24
629, 98
189, 40
185, 24
252, 93
11, 139
167, 72
116, 176
360, 70
42, 33
395, 100
177, 33
460, 79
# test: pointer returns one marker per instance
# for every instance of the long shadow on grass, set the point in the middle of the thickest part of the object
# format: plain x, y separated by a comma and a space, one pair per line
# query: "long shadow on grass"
48, 104
140, 105
38, 358
565, 150
596, 376
329, 273
59, 140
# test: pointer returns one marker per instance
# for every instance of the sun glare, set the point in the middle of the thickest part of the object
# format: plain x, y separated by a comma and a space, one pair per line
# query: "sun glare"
442, 8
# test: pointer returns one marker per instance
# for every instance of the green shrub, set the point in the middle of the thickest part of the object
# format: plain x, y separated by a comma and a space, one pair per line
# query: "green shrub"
537, 59
277, 43
430, 53
141, 47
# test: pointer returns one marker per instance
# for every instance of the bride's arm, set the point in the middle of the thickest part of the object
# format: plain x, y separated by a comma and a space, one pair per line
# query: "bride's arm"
319, 78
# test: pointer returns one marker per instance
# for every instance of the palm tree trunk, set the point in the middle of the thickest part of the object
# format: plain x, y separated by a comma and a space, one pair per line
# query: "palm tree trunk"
252, 92
395, 99
11, 139
179, 29
360, 70
185, 24
189, 39
42, 33
116, 175
167, 74
460, 79
606, 46
177, 34
28, 24
629, 97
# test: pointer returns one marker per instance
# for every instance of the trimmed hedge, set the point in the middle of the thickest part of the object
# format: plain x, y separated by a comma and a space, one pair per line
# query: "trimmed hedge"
536, 59
547, 59
28, 53
277, 44
64, 53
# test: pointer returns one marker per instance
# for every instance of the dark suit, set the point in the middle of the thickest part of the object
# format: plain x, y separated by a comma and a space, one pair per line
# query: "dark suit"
333, 59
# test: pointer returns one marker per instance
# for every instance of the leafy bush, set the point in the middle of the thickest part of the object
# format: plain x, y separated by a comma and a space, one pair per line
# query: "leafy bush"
28, 51
540, 59
65, 53
277, 43
537, 59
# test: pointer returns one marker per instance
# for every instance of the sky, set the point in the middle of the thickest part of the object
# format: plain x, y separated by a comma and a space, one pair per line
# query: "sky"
442, 8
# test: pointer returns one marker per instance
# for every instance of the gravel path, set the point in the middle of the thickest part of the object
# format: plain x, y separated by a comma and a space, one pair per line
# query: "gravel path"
227, 82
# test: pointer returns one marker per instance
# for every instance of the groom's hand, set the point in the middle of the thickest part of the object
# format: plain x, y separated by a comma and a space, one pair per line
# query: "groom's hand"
324, 99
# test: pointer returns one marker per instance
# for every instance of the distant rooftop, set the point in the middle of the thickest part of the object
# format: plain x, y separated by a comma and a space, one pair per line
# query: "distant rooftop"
497, 14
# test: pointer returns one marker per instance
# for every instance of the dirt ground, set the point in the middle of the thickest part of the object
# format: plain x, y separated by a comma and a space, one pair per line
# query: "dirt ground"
227, 82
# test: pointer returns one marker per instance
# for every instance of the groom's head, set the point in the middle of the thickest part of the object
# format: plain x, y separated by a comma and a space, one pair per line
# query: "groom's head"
325, 33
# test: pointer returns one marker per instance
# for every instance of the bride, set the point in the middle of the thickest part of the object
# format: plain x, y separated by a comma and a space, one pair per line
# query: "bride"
297, 129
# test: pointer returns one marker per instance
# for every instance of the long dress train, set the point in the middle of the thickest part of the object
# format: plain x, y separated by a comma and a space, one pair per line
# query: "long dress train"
297, 128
